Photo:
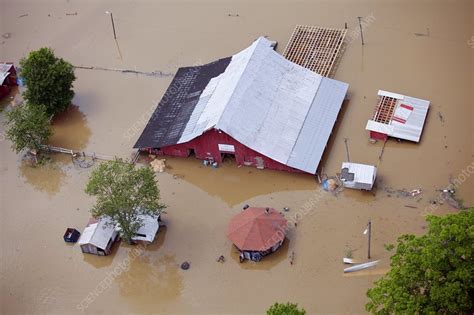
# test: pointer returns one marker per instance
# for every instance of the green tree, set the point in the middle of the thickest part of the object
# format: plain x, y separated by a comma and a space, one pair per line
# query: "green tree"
123, 193
28, 126
285, 309
433, 273
48, 80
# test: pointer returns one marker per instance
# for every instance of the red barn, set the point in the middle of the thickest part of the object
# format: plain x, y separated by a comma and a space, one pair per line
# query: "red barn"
256, 106
7, 78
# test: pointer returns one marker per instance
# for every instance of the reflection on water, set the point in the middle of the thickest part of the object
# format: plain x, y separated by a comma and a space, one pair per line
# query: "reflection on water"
151, 278
70, 129
48, 177
235, 184
13, 99
267, 262
102, 261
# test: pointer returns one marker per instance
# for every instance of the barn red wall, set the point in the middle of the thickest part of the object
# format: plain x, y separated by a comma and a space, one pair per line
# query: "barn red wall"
378, 136
206, 147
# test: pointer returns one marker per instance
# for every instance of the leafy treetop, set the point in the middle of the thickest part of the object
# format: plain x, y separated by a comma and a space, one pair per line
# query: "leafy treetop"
48, 80
285, 309
28, 126
433, 273
124, 192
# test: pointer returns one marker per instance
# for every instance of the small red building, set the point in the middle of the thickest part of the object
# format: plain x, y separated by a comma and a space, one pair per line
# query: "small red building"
7, 78
255, 106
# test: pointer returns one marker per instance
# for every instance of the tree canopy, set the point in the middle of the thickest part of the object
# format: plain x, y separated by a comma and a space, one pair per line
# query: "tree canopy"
285, 309
433, 273
124, 192
28, 126
48, 80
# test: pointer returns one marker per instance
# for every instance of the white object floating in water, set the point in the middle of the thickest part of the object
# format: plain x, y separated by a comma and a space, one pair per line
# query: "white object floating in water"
348, 260
361, 266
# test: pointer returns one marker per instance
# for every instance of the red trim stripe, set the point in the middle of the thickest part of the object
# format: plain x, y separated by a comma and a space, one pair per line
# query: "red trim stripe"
406, 106
399, 120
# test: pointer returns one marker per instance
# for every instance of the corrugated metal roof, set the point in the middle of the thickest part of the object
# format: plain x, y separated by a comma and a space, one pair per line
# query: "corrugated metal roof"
171, 116
273, 106
408, 119
98, 233
4, 71
318, 125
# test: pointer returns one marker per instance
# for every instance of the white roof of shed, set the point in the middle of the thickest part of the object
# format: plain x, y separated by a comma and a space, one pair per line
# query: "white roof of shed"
362, 173
4, 71
271, 105
97, 234
149, 228
408, 119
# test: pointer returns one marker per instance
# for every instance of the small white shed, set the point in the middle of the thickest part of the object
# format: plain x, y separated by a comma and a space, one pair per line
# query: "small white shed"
148, 230
98, 237
358, 176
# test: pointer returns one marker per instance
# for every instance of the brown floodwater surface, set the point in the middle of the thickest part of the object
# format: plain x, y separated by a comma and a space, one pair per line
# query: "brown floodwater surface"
40, 274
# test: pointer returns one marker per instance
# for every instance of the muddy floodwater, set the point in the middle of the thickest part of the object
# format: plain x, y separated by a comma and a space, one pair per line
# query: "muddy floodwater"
423, 49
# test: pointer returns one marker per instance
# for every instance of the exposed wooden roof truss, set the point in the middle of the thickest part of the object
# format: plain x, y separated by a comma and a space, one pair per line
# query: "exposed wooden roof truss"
384, 110
315, 48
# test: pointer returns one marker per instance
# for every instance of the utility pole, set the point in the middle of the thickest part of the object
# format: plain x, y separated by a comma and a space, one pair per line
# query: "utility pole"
369, 228
112, 20
360, 27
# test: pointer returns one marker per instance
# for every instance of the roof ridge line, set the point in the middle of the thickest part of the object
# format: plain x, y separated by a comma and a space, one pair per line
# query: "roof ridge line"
256, 42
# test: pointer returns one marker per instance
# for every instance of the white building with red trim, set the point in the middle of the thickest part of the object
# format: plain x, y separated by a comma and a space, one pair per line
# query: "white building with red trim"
398, 116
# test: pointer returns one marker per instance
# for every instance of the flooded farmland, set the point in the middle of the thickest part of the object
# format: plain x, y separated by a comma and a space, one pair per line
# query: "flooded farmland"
417, 48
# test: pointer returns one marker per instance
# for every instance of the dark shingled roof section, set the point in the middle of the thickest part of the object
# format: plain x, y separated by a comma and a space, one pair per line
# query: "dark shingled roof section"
169, 120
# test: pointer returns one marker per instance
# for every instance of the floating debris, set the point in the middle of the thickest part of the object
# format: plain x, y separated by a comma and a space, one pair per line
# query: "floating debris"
361, 266
332, 184
158, 165
415, 192
286, 209
451, 200
403, 193
23, 15
424, 34
7, 35
441, 117
221, 259
185, 265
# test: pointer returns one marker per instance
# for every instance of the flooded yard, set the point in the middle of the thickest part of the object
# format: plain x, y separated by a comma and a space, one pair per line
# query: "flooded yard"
40, 274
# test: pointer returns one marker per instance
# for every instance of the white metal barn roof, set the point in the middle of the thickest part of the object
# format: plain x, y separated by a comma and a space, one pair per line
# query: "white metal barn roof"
405, 119
4, 71
271, 105
97, 234
149, 228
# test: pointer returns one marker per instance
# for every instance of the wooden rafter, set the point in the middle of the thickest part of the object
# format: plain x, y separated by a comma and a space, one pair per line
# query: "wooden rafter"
384, 110
315, 48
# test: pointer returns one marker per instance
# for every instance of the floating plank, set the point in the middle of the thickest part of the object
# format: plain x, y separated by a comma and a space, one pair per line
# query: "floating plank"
361, 266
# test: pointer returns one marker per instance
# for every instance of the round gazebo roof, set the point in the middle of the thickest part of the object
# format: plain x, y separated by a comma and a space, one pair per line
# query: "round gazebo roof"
257, 229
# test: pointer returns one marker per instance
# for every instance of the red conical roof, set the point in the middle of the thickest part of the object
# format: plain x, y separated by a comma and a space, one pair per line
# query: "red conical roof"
256, 229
